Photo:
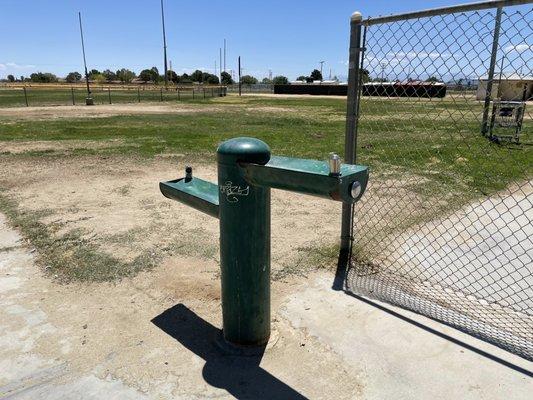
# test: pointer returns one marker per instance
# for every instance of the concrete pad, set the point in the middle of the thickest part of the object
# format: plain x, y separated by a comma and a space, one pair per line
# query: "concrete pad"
406, 356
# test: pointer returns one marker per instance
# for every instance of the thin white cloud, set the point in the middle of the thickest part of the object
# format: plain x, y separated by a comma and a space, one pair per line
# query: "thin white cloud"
519, 48
15, 66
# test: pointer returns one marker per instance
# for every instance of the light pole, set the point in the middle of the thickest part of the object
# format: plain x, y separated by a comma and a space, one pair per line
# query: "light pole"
164, 45
89, 100
321, 65
240, 71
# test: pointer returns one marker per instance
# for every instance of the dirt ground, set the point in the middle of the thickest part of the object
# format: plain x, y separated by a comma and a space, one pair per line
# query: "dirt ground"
115, 204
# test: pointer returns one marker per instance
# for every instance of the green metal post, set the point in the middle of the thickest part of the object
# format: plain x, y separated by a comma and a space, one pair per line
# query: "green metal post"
241, 201
244, 244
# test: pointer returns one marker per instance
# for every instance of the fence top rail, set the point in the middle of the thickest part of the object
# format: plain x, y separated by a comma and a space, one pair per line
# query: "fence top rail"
483, 5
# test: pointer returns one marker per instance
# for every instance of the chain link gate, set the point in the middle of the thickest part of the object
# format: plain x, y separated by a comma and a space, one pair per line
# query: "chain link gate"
445, 227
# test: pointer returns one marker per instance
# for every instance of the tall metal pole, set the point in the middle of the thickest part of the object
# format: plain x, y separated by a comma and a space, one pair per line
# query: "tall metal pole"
220, 64
224, 55
84, 60
164, 45
352, 111
490, 77
240, 85
321, 65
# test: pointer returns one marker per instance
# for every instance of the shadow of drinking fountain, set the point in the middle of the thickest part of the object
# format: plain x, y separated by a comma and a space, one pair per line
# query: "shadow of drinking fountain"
241, 376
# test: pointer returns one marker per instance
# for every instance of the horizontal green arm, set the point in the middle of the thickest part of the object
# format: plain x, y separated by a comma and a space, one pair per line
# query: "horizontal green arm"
196, 193
309, 177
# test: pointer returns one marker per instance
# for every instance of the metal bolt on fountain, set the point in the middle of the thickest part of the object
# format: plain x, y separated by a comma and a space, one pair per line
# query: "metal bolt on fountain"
241, 201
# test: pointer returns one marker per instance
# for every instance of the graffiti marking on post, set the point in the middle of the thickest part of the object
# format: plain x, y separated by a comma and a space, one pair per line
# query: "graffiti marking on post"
233, 191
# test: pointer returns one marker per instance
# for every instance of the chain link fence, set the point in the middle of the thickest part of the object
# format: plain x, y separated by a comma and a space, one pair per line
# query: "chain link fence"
61, 95
445, 122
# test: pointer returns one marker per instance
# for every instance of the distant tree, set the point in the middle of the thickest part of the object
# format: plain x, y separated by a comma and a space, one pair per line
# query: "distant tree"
99, 78
205, 76
43, 77
145, 75
172, 76
93, 72
432, 79
196, 76
73, 77
22, 78
248, 80
125, 75
266, 81
109, 75
11, 78
302, 78
185, 78
211, 79
226, 78
155, 74
280, 80
316, 75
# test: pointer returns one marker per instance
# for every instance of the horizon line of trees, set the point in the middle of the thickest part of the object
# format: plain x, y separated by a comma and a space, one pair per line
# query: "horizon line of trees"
125, 75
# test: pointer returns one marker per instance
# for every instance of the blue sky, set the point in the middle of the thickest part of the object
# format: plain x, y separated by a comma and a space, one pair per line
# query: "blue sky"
288, 37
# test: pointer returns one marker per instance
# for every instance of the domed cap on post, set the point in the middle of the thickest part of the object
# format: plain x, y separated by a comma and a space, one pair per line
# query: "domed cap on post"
244, 149
356, 17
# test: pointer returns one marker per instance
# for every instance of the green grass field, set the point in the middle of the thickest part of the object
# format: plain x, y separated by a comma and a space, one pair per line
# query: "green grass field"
396, 135
427, 156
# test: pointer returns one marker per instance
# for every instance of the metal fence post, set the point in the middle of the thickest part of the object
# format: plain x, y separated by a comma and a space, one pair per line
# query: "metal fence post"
179, 95
72, 94
350, 139
161, 94
25, 96
138, 94
490, 77
109, 94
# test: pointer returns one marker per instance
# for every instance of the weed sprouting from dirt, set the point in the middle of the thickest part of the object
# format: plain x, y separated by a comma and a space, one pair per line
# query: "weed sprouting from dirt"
310, 258
71, 257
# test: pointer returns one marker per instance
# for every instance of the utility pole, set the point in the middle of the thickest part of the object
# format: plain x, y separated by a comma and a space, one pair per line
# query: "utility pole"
164, 45
321, 65
270, 75
240, 85
220, 65
88, 100
224, 55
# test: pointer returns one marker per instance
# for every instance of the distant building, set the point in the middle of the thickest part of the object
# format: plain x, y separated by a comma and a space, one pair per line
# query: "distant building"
511, 87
